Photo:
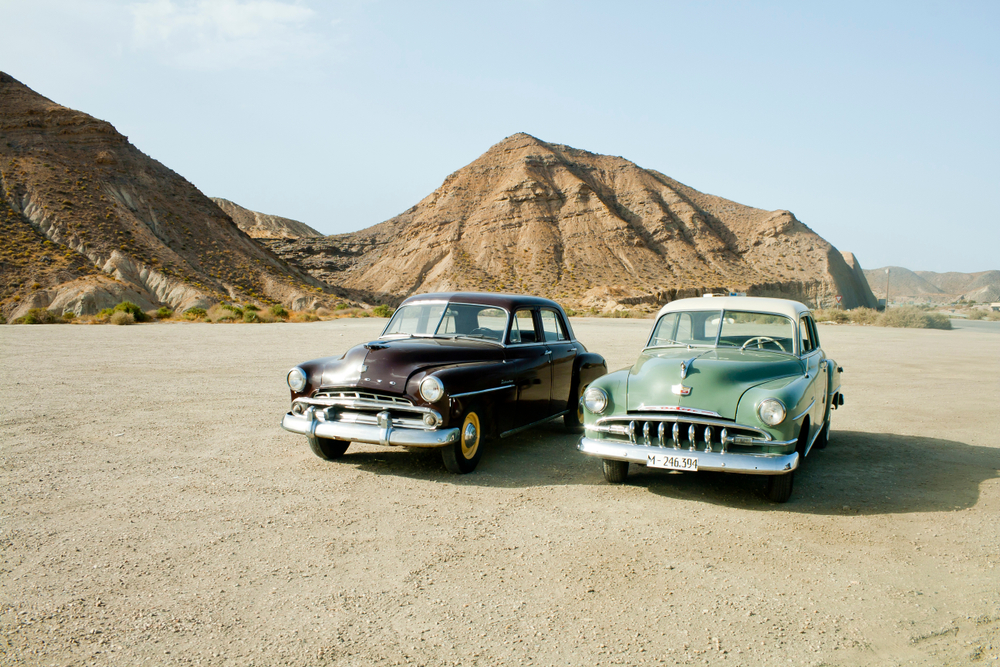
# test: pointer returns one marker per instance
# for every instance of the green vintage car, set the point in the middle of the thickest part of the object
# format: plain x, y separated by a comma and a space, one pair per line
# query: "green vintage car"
729, 384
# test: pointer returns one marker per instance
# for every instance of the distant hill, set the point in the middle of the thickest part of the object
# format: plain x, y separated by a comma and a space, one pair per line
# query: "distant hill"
983, 286
264, 226
585, 229
86, 220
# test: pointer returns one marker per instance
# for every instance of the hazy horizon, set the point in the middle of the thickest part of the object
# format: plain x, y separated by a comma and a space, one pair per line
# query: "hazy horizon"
874, 124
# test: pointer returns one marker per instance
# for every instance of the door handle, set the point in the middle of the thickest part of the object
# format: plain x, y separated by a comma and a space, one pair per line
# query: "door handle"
573, 349
548, 351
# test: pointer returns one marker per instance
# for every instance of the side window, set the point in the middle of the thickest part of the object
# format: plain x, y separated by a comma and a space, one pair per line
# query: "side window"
553, 327
815, 332
522, 327
805, 333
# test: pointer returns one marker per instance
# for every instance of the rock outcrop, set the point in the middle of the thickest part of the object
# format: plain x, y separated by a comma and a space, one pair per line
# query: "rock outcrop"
264, 226
585, 229
907, 285
87, 220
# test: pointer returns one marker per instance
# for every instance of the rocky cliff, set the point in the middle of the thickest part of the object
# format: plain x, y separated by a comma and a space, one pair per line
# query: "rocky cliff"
907, 285
264, 226
585, 229
87, 220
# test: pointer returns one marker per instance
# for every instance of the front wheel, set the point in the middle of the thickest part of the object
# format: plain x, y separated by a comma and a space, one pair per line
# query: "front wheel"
328, 449
463, 456
615, 471
779, 487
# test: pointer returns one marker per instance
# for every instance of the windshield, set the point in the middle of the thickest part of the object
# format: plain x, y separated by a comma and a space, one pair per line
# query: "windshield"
448, 320
730, 328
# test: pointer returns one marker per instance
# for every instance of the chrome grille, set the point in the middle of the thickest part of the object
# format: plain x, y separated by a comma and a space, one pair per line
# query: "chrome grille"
692, 434
363, 407
390, 401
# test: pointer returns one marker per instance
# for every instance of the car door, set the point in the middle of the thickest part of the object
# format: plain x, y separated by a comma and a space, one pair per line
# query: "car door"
812, 356
529, 359
563, 352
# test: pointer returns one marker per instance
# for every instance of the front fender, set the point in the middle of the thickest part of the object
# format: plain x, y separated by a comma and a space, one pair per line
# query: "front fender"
793, 394
587, 367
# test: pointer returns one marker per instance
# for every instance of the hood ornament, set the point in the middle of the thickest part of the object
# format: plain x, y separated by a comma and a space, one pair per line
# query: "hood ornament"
686, 366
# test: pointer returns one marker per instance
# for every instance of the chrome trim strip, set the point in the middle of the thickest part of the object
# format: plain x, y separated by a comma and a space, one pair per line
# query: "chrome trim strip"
371, 434
803, 413
527, 426
678, 408
363, 404
672, 418
747, 464
813, 441
483, 391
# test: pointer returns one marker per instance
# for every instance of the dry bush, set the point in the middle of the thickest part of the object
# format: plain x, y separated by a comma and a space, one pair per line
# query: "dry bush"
323, 313
122, 317
303, 316
976, 314
911, 317
868, 316
831, 315
993, 316
220, 313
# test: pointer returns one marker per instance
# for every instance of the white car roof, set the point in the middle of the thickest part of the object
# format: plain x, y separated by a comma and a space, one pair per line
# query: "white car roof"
753, 304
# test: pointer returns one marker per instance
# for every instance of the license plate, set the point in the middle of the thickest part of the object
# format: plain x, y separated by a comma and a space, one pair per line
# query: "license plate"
672, 462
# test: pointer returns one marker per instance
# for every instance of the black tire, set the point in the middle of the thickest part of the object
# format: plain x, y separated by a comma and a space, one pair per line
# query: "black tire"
463, 456
327, 449
779, 487
573, 419
615, 471
824, 436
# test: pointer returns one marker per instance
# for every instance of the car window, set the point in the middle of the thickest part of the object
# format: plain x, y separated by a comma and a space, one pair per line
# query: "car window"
806, 335
758, 331
522, 327
686, 328
815, 332
552, 326
420, 319
462, 319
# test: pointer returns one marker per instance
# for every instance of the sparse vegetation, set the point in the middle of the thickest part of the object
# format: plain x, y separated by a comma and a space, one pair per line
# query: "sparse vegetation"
138, 315
122, 317
194, 314
382, 310
40, 316
910, 317
164, 313
279, 311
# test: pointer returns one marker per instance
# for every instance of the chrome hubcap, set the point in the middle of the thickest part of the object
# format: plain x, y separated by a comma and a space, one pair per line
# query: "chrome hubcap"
470, 434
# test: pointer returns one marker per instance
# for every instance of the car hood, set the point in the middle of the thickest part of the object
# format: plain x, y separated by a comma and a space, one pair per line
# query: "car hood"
386, 365
716, 377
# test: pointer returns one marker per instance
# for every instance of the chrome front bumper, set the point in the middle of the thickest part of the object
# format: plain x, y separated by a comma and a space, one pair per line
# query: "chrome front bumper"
382, 433
749, 464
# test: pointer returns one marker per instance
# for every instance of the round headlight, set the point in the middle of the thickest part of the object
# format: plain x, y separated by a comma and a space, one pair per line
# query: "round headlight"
595, 399
771, 411
297, 379
431, 389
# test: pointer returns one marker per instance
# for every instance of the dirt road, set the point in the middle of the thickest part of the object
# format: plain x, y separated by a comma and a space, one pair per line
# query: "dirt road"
153, 511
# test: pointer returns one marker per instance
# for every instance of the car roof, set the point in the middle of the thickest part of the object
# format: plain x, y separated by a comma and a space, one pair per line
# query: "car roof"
753, 304
507, 301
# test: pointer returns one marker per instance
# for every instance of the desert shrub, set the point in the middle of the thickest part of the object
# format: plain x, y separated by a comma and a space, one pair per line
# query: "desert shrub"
977, 314
3, 320
69, 315
250, 316
222, 313
235, 310
305, 316
570, 312
993, 316
831, 315
122, 317
913, 318
340, 306
868, 316
195, 314
279, 311
132, 309
382, 310
251, 307
39, 316
323, 312
164, 313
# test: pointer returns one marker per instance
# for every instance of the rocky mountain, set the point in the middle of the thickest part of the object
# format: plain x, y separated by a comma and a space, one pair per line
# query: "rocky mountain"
982, 286
585, 229
87, 220
264, 226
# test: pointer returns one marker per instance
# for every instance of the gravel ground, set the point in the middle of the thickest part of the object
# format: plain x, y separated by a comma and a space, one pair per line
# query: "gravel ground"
153, 511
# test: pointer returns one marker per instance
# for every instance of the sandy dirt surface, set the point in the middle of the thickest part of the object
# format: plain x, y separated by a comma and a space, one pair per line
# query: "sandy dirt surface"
152, 511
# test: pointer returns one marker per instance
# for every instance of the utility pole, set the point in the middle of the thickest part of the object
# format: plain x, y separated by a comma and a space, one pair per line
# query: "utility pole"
887, 289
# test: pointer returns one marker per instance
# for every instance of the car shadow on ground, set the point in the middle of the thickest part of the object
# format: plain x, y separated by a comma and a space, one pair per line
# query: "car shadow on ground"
541, 456
866, 473
858, 473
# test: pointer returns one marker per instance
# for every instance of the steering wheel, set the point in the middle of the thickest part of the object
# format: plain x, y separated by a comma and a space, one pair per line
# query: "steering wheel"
760, 340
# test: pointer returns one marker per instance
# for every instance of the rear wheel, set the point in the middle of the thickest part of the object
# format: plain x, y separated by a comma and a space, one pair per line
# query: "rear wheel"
463, 456
615, 471
779, 487
328, 449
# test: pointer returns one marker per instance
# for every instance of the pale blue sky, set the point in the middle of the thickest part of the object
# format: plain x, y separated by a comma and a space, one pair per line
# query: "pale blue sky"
875, 123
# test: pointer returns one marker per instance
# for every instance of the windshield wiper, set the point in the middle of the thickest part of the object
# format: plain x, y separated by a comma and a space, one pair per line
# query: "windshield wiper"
482, 337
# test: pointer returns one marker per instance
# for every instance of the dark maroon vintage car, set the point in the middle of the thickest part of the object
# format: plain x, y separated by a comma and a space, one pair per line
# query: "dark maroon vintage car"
450, 370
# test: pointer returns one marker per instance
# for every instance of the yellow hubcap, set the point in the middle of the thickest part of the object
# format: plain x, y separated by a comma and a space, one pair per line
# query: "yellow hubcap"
470, 435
